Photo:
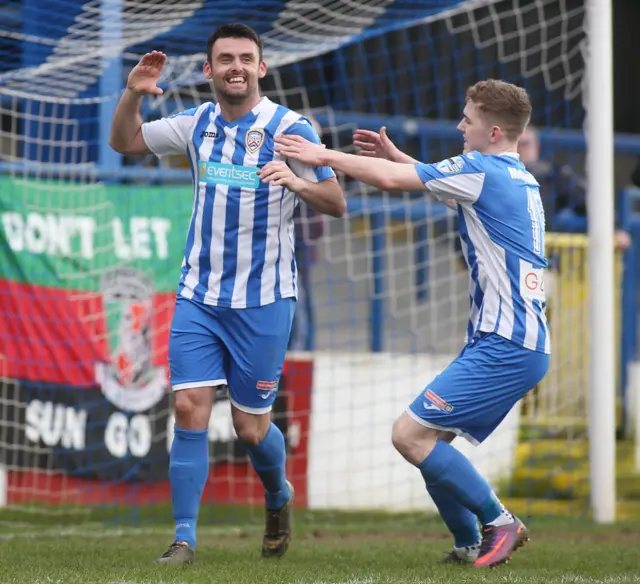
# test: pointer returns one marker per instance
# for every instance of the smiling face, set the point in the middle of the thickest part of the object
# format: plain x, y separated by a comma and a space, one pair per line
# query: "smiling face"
477, 131
235, 69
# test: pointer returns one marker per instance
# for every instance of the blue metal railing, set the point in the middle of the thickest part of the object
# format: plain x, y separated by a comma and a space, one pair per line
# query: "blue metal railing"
380, 211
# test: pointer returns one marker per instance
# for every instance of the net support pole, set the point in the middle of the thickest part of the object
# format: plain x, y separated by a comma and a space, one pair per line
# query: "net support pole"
111, 78
600, 202
376, 309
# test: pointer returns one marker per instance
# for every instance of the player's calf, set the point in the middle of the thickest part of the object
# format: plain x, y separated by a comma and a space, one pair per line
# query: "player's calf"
267, 452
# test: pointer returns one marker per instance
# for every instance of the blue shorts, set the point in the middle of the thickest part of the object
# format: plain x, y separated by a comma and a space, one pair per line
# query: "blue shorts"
477, 390
242, 348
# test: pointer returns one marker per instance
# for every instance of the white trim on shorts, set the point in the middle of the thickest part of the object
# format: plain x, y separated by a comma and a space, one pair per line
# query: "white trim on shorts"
248, 410
190, 384
456, 431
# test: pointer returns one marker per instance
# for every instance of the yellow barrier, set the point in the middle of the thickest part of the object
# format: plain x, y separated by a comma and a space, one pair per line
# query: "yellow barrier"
560, 401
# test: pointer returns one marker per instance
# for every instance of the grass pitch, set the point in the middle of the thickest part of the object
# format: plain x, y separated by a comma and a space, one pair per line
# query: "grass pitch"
327, 549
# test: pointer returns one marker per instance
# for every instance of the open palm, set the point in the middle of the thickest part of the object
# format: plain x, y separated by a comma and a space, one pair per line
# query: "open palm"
374, 144
144, 76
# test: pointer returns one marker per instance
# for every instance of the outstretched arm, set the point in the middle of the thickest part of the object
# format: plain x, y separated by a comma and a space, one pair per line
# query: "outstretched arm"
379, 145
457, 180
126, 127
384, 174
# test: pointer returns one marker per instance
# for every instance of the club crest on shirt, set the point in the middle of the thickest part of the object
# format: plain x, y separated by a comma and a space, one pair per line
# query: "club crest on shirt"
254, 140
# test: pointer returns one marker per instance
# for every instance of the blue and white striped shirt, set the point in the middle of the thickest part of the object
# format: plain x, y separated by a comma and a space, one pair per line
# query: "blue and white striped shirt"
502, 225
240, 245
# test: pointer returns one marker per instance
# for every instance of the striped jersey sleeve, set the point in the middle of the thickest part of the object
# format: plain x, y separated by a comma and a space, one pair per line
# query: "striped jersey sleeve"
460, 178
302, 127
170, 135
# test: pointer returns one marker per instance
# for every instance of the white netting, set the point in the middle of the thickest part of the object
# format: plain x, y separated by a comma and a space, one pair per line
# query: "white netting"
390, 294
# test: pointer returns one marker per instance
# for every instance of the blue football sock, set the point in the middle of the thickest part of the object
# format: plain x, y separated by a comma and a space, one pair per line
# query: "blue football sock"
188, 471
269, 460
449, 468
462, 523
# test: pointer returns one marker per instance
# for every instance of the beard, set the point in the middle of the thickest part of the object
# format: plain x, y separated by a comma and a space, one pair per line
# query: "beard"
233, 97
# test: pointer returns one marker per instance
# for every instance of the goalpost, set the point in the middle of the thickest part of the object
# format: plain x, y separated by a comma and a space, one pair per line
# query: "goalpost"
94, 247
601, 197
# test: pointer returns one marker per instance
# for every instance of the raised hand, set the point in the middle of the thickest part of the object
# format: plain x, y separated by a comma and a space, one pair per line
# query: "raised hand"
376, 145
144, 76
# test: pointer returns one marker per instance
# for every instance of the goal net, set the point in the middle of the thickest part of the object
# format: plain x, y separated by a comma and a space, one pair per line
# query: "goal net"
94, 243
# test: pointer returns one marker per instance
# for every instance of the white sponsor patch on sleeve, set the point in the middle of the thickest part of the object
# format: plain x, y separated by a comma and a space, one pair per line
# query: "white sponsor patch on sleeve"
451, 165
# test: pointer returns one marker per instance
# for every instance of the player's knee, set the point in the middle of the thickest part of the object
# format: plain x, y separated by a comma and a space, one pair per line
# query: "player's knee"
401, 436
249, 434
250, 428
193, 408
413, 441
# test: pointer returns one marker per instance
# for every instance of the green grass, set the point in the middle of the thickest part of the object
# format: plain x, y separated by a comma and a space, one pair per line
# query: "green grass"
329, 548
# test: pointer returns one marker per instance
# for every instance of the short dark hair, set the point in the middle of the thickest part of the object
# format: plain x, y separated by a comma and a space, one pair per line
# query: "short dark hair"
234, 30
504, 103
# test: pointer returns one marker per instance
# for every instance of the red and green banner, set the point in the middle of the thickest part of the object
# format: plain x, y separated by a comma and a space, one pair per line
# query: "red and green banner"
88, 275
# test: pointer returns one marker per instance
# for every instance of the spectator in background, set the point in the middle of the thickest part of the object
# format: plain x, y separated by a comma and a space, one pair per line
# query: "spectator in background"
309, 227
564, 191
